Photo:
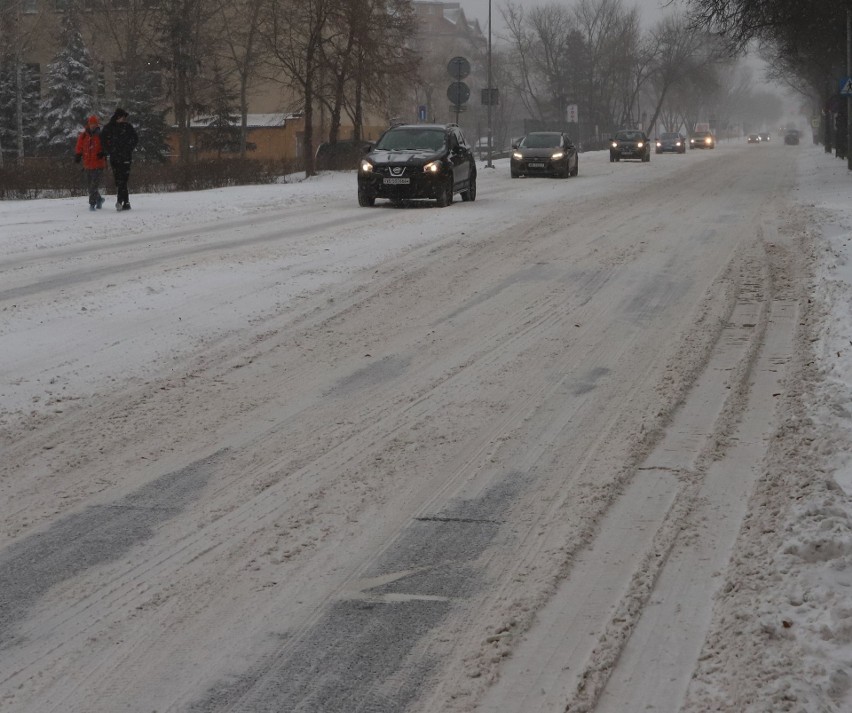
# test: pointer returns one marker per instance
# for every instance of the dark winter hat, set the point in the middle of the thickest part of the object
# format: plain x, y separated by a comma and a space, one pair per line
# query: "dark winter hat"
120, 113
92, 121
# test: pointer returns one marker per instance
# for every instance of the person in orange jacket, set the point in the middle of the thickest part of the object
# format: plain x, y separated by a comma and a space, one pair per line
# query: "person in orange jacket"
90, 152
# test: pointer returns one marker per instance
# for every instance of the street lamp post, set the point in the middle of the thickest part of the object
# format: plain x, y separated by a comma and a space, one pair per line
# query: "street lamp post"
849, 96
489, 93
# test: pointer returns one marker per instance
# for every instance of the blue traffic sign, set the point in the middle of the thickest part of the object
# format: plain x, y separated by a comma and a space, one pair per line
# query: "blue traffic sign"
846, 86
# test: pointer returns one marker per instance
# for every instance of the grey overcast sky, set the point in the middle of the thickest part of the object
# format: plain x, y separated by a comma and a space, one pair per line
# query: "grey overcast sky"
650, 10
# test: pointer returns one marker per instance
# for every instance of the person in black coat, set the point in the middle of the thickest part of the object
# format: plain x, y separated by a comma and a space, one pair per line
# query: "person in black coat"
119, 139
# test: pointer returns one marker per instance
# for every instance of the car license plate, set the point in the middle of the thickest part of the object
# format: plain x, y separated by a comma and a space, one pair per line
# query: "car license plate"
397, 181
536, 165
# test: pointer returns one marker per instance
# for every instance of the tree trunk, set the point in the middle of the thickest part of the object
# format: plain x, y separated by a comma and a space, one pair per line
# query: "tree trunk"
19, 109
310, 169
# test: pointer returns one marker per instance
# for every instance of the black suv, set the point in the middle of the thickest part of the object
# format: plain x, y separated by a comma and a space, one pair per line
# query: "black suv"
418, 161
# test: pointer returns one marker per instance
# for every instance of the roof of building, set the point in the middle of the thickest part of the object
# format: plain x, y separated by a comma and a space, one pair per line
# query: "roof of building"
254, 121
435, 13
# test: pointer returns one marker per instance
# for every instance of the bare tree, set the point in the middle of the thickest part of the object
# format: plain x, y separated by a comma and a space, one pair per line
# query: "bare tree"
679, 51
611, 34
128, 34
348, 24
182, 39
522, 80
240, 49
553, 28
294, 31
385, 60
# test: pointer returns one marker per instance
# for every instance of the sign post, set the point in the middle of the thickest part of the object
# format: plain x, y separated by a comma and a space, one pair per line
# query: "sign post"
848, 87
490, 90
572, 116
458, 92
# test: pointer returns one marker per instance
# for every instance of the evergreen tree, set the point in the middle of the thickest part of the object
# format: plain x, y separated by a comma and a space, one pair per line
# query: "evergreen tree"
10, 76
223, 132
68, 87
140, 94
8, 109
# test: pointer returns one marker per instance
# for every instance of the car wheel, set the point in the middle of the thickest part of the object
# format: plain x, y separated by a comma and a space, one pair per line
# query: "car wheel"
576, 168
612, 159
365, 200
470, 193
514, 174
445, 196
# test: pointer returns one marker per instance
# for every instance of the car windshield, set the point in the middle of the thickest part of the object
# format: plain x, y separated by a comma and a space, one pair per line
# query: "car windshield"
541, 141
629, 136
412, 139
671, 137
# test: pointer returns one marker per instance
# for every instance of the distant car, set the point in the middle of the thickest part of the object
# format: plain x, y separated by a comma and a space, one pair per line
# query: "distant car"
544, 153
672, 143
753, 139
630, 143
702, 140
765, 136
791, 137
411, 161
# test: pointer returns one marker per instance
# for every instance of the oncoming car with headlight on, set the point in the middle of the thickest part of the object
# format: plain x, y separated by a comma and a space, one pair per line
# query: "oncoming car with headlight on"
671, 143
702, 140
412, 161
630, 143
544, 153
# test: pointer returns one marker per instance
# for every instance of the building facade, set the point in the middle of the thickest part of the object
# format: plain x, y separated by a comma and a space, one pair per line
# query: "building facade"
30, 29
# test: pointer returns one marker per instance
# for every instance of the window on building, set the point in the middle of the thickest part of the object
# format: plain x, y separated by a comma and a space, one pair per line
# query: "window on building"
30, 7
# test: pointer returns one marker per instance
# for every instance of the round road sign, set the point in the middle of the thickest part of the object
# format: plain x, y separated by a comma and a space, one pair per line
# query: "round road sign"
458, 93
458, 68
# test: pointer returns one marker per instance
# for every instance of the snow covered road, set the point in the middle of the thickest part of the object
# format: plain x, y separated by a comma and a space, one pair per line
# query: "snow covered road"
265, 450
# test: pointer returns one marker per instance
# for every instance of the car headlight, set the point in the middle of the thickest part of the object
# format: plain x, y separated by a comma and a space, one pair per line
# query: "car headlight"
659, 145
677, 143
366, 167
708, 140
557, 156
639, 145
692, 141
518, 155
432, 167
614, 145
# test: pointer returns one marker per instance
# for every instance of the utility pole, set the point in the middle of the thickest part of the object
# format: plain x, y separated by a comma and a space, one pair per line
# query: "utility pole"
490, 92
849, 96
